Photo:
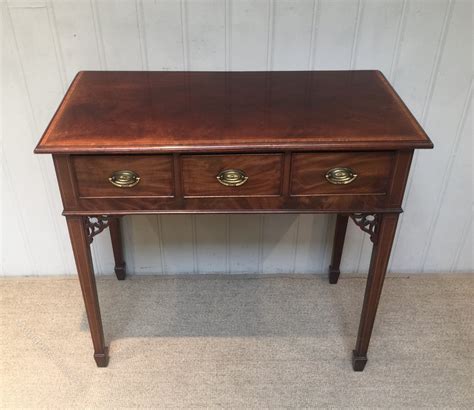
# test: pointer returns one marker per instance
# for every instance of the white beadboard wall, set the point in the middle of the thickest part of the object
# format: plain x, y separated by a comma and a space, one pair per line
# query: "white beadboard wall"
424, 47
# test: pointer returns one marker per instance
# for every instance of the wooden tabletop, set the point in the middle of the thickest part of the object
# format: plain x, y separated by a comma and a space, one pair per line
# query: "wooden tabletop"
151, 112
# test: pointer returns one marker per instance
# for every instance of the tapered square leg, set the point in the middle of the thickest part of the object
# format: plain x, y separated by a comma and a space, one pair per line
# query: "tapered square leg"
358, 362
82, 255
383, 240
102, 359
338, 245
117, 247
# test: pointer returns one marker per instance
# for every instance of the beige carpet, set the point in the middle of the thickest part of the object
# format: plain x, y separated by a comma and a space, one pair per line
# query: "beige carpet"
236, 342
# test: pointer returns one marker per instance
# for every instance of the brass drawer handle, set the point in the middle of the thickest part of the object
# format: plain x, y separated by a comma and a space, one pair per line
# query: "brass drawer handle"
124, 179
341, 175
232, 177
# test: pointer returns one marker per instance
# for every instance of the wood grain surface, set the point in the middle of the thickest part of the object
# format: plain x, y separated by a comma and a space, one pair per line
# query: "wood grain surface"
93, 173
111, 112
264, 174
309, 169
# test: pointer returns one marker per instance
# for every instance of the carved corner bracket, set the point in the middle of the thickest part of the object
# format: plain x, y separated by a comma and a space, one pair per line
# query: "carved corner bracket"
368, 223
95, 225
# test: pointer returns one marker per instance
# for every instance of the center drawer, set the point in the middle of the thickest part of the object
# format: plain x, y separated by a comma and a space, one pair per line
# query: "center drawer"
232, 175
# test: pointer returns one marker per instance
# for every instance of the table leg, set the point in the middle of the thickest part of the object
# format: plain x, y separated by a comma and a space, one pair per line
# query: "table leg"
117, 247
383, 240
82, 255
338, 245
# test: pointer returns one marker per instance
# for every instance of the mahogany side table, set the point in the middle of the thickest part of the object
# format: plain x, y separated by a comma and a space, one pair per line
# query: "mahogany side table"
336, 142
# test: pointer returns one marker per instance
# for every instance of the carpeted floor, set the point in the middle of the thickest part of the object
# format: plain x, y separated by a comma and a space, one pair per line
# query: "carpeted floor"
236, 342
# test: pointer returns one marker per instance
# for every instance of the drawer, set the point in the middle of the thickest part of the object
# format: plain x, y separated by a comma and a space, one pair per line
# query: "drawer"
102, 176
232, 175
341, 173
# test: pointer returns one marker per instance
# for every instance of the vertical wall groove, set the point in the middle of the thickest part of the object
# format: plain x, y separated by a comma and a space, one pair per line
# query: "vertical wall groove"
141, 41
57, 45
260, 243
228, 35
459, 248
127, 242
355, 41
21, 218
228, 250
184, 34
398, 41
98, 35
425, 109
159, 226
194, 240
142, 33
295, 247
271, 20
439, 53
46, 181
314, 31
447, 174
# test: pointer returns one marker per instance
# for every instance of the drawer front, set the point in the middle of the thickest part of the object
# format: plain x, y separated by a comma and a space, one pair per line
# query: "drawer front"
341, 173
239, 175
103, 176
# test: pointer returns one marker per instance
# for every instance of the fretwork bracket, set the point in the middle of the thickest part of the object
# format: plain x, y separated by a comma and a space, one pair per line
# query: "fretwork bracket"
368, 223
95, 225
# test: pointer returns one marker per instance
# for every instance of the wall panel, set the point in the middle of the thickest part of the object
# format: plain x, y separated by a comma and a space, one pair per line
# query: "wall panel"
292, 28
161, 34
452, 211
119, 35
248, 35
335, 34
441, 111
423, 47
206, 39
30, 102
